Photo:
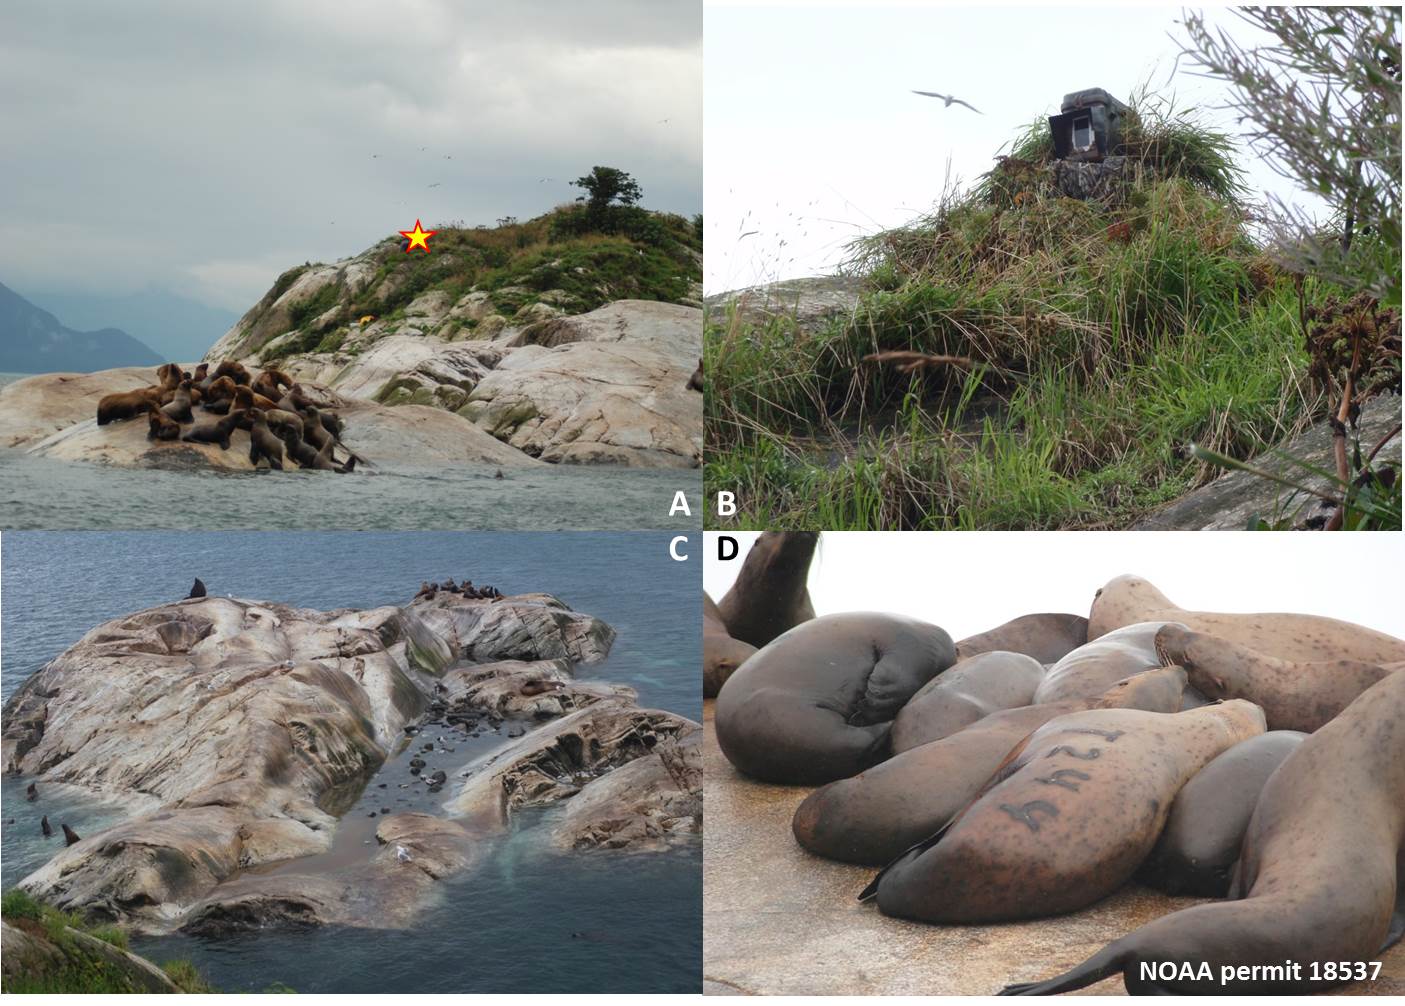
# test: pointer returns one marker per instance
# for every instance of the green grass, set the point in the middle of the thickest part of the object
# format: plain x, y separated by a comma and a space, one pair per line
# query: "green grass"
1098, 341
78, 968
640, 255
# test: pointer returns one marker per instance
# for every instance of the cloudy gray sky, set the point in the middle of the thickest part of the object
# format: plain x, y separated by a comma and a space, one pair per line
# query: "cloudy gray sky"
814, 137
201, 148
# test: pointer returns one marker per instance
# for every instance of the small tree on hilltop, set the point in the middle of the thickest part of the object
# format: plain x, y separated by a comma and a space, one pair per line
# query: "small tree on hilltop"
604, 186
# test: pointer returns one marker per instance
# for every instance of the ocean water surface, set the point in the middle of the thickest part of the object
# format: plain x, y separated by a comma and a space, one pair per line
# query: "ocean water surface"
527, 918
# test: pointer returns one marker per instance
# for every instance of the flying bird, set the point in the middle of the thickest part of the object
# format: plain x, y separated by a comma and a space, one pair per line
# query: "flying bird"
950, 100
436, 185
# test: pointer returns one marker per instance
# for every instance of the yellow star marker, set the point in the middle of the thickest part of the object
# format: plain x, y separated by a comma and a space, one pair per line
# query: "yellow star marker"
419, 238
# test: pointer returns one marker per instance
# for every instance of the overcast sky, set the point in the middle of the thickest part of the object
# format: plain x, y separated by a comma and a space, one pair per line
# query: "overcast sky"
973, 581
204, 147
814, 138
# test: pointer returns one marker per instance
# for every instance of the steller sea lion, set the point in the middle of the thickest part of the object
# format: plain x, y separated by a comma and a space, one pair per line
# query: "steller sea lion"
722, 654
1094, 666
31, 792
1128, 599
201, 376
70, 837
816, 703
1295, 695
1199, 846
280, 420
44, 827
197, 589
970, 690
695, 383
125, 405
270, 384
234, 370
1066, 821
161, 427
875, 816
1318, 878
217, 432
539, 687
263, 443
1047, 637
168, 375
769, 596
179, 406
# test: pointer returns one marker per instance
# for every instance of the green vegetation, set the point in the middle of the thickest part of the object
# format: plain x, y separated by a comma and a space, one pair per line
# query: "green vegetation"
1019, 359
575, 258
76, 967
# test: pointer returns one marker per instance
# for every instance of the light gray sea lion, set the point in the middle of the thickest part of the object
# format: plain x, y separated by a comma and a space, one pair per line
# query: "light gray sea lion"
970, 690
874, 816
1073, 814
769, 596
1318, 880
1046, 637
1199, 846
1094, 666
816, 704
1294, 694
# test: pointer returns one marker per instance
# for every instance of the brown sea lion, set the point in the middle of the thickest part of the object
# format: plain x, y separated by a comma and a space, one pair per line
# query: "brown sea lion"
1048, 638
248, 398
769, 596
234, 370
1318, 879
168, 375
70, 837
1129, 599
125, 405
816, 704
299, 449
695, 383
1070, 817
970, 690
179, 406
280, 419
539, 687
161, 427
201, 375
722, 654
1095, 665
264, 444
1295, 695
217, 432
1199, 846
874, 816
270, 384
219, 395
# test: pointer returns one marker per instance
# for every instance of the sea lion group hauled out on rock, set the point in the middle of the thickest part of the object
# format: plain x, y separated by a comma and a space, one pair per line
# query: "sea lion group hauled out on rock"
286, 427
1032, 770
466, 589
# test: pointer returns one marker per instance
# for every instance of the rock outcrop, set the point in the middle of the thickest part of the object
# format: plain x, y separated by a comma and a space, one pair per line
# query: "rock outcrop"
37, 961
239, 731
1230, 501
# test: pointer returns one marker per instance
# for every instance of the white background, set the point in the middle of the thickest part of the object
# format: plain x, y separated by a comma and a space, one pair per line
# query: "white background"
813, 137
970, 581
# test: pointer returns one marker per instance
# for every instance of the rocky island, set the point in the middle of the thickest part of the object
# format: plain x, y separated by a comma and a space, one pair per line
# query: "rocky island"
563, 339
239, 735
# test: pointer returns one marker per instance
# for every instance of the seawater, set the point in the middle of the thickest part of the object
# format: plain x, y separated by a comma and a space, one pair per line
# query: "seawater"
527, 918
46, 493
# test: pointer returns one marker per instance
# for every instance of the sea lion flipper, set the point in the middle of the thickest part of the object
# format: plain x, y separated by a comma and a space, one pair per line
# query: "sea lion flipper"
871, 890
1397, 922
1102, 964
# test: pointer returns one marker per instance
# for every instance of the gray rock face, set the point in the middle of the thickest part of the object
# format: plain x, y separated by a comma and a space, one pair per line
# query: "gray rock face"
809, 302
238, 731
1231, 500
649, 804
608, 387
